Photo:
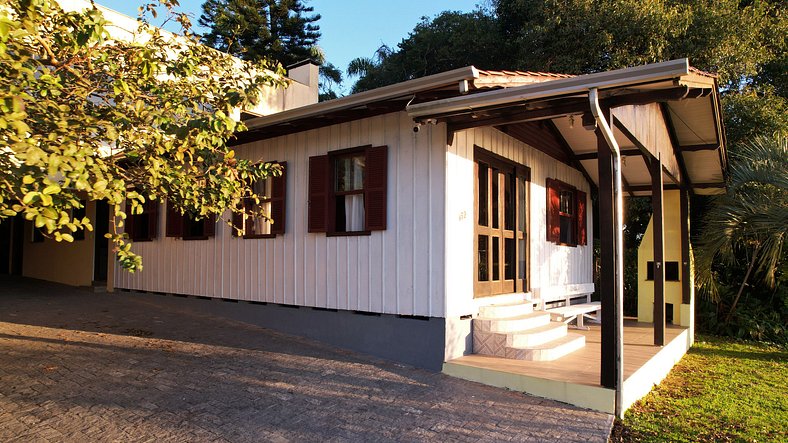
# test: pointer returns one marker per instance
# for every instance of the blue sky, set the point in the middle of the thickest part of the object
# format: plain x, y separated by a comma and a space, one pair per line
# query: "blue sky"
351, 28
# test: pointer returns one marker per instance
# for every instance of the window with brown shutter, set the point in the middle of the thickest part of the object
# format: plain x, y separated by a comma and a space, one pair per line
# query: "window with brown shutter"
347, 191
174, 222
189, 227
143, 227
566, 214
271, 194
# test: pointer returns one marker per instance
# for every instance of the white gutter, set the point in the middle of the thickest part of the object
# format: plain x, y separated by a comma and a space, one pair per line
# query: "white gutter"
403, 89
575, 85
618, 223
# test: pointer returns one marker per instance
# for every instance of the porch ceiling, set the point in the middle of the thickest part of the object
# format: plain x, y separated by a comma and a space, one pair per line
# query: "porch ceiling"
675, 118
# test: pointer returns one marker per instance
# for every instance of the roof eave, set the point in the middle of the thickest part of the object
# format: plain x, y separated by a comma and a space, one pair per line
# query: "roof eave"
674, 69
362, 98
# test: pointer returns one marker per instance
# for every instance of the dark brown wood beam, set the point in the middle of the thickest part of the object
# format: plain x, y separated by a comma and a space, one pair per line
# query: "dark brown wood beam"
594, 155
607, 370
489, 118
570, 154
642, 98
672, 186
658, 229
647, 155
694, 148
687, 182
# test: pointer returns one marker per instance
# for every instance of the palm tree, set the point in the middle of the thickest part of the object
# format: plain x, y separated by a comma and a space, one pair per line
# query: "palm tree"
750, 221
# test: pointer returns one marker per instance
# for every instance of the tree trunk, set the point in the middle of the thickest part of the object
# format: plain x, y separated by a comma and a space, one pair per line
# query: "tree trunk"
743, 284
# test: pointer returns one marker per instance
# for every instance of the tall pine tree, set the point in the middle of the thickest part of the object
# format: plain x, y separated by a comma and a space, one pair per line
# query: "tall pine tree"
281, 30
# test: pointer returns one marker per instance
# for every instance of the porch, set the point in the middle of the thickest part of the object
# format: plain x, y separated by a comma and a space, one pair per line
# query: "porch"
574, 378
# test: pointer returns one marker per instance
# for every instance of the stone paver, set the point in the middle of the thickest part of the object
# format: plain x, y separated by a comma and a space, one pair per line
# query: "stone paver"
78, 366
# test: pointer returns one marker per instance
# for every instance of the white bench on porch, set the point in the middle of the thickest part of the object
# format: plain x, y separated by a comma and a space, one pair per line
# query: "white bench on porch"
566, 311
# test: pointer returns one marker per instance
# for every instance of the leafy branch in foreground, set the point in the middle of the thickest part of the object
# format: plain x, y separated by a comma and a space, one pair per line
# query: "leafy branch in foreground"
84, 115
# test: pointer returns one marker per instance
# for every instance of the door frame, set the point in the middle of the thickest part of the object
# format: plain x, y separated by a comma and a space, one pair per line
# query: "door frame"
522, 277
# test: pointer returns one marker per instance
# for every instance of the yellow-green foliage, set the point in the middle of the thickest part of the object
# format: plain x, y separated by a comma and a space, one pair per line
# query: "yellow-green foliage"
85, 116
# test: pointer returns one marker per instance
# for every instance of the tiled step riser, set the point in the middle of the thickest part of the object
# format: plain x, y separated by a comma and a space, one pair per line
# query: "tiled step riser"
489, 343
494, 343
503, 311
546, 354
537, 338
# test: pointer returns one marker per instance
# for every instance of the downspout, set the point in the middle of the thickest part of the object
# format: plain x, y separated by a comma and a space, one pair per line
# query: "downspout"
618, 223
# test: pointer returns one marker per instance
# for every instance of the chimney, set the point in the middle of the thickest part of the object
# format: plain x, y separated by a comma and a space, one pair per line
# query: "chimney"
306, 72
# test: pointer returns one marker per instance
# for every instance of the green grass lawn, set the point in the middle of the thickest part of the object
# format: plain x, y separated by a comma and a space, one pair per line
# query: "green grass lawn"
722, 390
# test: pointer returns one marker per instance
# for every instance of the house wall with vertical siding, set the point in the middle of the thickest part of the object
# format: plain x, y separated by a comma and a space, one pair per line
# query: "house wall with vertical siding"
550, 264
396, 271
70, 263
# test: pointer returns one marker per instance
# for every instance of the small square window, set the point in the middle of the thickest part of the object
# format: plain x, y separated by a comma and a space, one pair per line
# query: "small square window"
671, 271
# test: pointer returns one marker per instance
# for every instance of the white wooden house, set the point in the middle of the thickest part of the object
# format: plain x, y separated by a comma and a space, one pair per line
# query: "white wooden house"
437, 218
425, 221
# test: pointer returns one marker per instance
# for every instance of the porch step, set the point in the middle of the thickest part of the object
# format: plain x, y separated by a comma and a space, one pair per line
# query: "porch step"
511, 324
506, 310
492, 343
549, 351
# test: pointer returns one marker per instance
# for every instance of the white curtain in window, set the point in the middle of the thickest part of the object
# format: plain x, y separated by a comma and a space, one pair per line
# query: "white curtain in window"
354, 212
262, 225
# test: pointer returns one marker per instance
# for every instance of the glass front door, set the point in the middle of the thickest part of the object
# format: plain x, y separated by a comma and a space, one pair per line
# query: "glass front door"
501, 225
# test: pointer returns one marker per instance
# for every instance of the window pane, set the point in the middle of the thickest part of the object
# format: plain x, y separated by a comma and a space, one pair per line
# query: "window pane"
349, 173
262, 188
257, 224
482, 259
567, 230
494, 198
508, 264
496, 260
567, 202
483, 194
508, 203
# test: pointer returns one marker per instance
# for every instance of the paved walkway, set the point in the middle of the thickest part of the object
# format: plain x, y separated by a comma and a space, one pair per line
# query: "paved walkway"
78, 366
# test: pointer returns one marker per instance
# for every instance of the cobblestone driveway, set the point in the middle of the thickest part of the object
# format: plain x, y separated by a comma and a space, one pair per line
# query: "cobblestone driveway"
77, 366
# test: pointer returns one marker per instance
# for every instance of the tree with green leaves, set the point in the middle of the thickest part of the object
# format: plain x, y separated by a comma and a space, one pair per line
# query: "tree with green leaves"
283, 31
744, 42
86, 116
280, 30
747, 226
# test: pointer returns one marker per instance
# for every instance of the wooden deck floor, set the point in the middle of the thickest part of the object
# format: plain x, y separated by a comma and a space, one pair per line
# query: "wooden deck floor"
582, 366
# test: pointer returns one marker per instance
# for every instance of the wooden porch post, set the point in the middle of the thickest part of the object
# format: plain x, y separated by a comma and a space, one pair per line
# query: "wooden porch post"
686, 284
659, 251
607, 274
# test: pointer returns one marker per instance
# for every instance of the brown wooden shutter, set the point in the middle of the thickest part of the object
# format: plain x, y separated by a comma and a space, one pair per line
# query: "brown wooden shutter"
174, 222
278, 193
152, 208
582, 234
129, 223
375, 181
209, 225
319, 192
553, 211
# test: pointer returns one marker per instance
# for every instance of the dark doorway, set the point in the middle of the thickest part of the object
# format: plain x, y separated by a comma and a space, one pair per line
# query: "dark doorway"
101, 256
12, 236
